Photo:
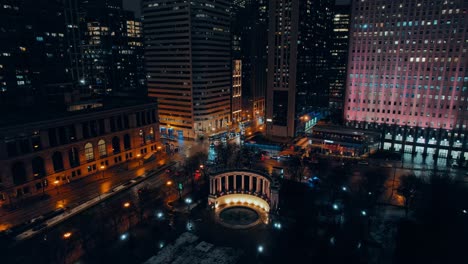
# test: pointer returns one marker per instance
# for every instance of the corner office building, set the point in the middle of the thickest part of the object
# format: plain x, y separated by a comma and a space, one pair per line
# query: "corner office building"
298, 62
188, 64
407, 74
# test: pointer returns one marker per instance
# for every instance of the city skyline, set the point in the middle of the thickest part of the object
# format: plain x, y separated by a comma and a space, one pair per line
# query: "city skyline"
233, 131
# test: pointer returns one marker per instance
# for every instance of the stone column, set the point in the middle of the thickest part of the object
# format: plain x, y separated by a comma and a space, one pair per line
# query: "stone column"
235, 182
226, 185
243, 182
250, 183
218, 179
264, 187
268, 190
258, 185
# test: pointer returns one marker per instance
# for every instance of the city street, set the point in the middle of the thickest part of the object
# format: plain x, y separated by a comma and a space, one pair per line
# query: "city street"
76, 192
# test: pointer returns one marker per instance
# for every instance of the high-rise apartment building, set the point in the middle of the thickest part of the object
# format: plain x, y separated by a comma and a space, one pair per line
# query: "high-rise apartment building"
339, 56
298, 60
188, 63
112, 47
407, 74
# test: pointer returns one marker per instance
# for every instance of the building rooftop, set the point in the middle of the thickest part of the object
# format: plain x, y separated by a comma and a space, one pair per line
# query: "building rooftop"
343, 130
38, 113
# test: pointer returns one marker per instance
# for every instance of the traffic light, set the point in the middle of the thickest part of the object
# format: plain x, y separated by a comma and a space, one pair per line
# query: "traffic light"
180, 186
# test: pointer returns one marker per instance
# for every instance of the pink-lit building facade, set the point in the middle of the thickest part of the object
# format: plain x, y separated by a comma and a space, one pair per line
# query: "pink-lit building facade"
407, 74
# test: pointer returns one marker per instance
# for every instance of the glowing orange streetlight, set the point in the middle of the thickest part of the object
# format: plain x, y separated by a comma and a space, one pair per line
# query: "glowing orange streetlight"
169, 183
102, 169
126, 205
201, 166
67, 235
56, 183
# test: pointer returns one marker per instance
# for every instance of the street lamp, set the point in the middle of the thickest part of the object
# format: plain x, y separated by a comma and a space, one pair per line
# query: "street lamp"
56, 183
124, 236
102, 169
260, 249
169, 183
159, 215
139, 159
67, 235
188, 201
126, 205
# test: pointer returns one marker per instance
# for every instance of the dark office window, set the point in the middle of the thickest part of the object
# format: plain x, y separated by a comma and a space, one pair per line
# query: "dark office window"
116, 145
71, 133
102, 127
112, 124
93, 127
57, 161
119, 123
127, 144
280, 108
85, 128
12, 149
73, 157
25, 146
38, 168
52, 137
63, 139
19, 173
138, 119
125, 122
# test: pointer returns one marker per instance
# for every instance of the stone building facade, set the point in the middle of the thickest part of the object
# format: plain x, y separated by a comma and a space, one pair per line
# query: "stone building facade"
37, 156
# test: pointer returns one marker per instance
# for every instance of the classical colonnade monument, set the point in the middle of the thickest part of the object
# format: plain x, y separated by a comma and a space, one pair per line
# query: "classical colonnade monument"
242, 198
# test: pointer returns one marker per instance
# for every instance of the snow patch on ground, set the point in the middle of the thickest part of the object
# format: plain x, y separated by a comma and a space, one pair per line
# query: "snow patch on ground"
188, 250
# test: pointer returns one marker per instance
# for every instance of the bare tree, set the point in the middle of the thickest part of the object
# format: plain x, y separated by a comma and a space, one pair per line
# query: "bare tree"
410, 186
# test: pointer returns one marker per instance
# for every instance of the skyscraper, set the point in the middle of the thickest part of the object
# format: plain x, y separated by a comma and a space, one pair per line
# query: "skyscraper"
33, 56
188, 63
249, 33
339, 56
112, 49
407, 74
298, 57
